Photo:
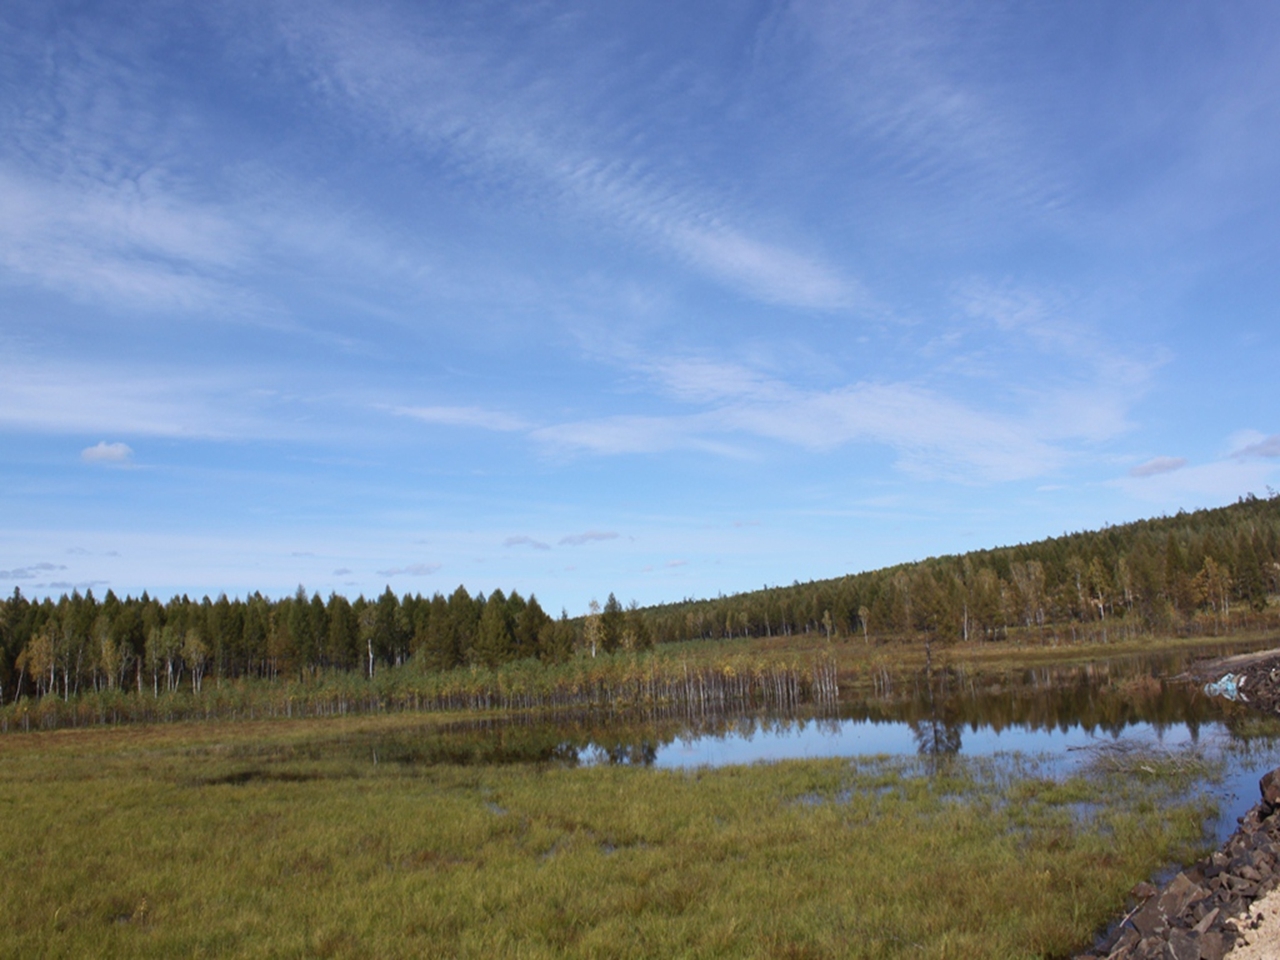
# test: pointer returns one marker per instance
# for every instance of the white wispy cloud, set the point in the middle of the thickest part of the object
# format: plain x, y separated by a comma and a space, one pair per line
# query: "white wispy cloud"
1218, 481
72, 584
1158, 465
411, 570
589, 536
132, 244
78, 397
476, 417
523, 541
31, 572
905, 84
631, 434
1260, 447
767, 271
450, 99
932, 433
705, 380
103, 452
115, 196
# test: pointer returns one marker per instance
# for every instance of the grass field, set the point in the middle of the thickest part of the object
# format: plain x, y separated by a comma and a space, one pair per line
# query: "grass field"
272, 840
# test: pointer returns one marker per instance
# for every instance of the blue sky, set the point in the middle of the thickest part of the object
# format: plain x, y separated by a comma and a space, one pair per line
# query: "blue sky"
663, 299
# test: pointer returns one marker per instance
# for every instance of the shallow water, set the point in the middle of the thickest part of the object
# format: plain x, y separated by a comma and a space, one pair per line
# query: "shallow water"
1062, 716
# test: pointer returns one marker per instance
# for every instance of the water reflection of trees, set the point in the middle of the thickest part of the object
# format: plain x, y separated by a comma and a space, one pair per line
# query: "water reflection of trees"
937, 706
935, 737
1097, 697
934, 734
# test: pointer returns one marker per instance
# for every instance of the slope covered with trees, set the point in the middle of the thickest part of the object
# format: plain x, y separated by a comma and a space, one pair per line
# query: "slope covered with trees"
1210, 570
1214, 566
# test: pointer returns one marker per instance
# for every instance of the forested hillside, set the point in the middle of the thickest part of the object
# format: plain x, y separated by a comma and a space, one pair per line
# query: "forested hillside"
1211, 569
1158, 573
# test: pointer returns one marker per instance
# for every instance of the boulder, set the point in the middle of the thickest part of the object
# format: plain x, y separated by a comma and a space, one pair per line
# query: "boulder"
1270, 787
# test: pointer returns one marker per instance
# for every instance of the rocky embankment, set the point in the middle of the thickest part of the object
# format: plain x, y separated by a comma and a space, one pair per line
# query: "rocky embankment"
1208, 908
1203, 911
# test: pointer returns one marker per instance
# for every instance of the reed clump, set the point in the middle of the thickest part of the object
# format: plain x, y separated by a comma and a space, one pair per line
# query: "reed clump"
617, 682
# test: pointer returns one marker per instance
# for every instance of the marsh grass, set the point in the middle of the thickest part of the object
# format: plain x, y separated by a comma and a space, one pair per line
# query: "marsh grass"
691, 677
258, 840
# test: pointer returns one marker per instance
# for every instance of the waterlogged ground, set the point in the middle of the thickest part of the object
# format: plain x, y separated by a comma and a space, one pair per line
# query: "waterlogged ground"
1065, 718
995, 815
152, 843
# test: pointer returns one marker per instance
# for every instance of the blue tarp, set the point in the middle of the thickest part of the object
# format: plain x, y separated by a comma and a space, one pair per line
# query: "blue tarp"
1229, 687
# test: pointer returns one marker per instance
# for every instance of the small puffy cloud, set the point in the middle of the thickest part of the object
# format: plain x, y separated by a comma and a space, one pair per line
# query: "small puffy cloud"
677, 563
1263, 447
103, 452
412, 570
590, 536
341, 572
525, 542
31, 572
1158, 465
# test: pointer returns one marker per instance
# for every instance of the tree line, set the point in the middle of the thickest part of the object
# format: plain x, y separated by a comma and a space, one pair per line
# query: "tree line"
1215, 567
80, 643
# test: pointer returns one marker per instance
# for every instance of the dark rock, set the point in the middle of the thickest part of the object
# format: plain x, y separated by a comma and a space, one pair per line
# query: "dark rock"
1182, 946
1206, 921
1150, 919
1178, 895
1270, 787
1128, 940
1212, 946
1143, 890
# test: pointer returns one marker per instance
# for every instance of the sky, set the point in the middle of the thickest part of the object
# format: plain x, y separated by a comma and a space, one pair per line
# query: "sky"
660, 299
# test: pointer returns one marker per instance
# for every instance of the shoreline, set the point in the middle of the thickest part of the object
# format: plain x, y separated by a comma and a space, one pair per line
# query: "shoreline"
1213, 906
1228, 903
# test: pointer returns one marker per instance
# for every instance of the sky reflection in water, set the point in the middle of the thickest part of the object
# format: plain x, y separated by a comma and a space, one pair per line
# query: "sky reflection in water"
1060, 717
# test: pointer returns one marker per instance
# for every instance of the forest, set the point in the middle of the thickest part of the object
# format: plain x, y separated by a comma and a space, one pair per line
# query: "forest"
1158, 574
1209, 569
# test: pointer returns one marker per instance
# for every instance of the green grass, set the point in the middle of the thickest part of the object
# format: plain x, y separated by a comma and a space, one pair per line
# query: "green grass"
244, 840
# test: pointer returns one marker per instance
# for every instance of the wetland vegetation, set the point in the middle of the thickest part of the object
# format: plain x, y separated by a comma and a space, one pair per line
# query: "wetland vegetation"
262, 839
564, 833
467, 776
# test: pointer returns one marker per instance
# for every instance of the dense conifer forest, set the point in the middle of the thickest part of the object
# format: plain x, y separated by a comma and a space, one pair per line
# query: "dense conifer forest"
1209, 570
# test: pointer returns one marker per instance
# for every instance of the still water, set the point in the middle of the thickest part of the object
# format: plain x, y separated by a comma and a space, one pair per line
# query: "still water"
1060, 715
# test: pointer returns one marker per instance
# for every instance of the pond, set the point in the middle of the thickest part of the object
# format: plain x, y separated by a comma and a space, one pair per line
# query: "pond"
1060, 715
